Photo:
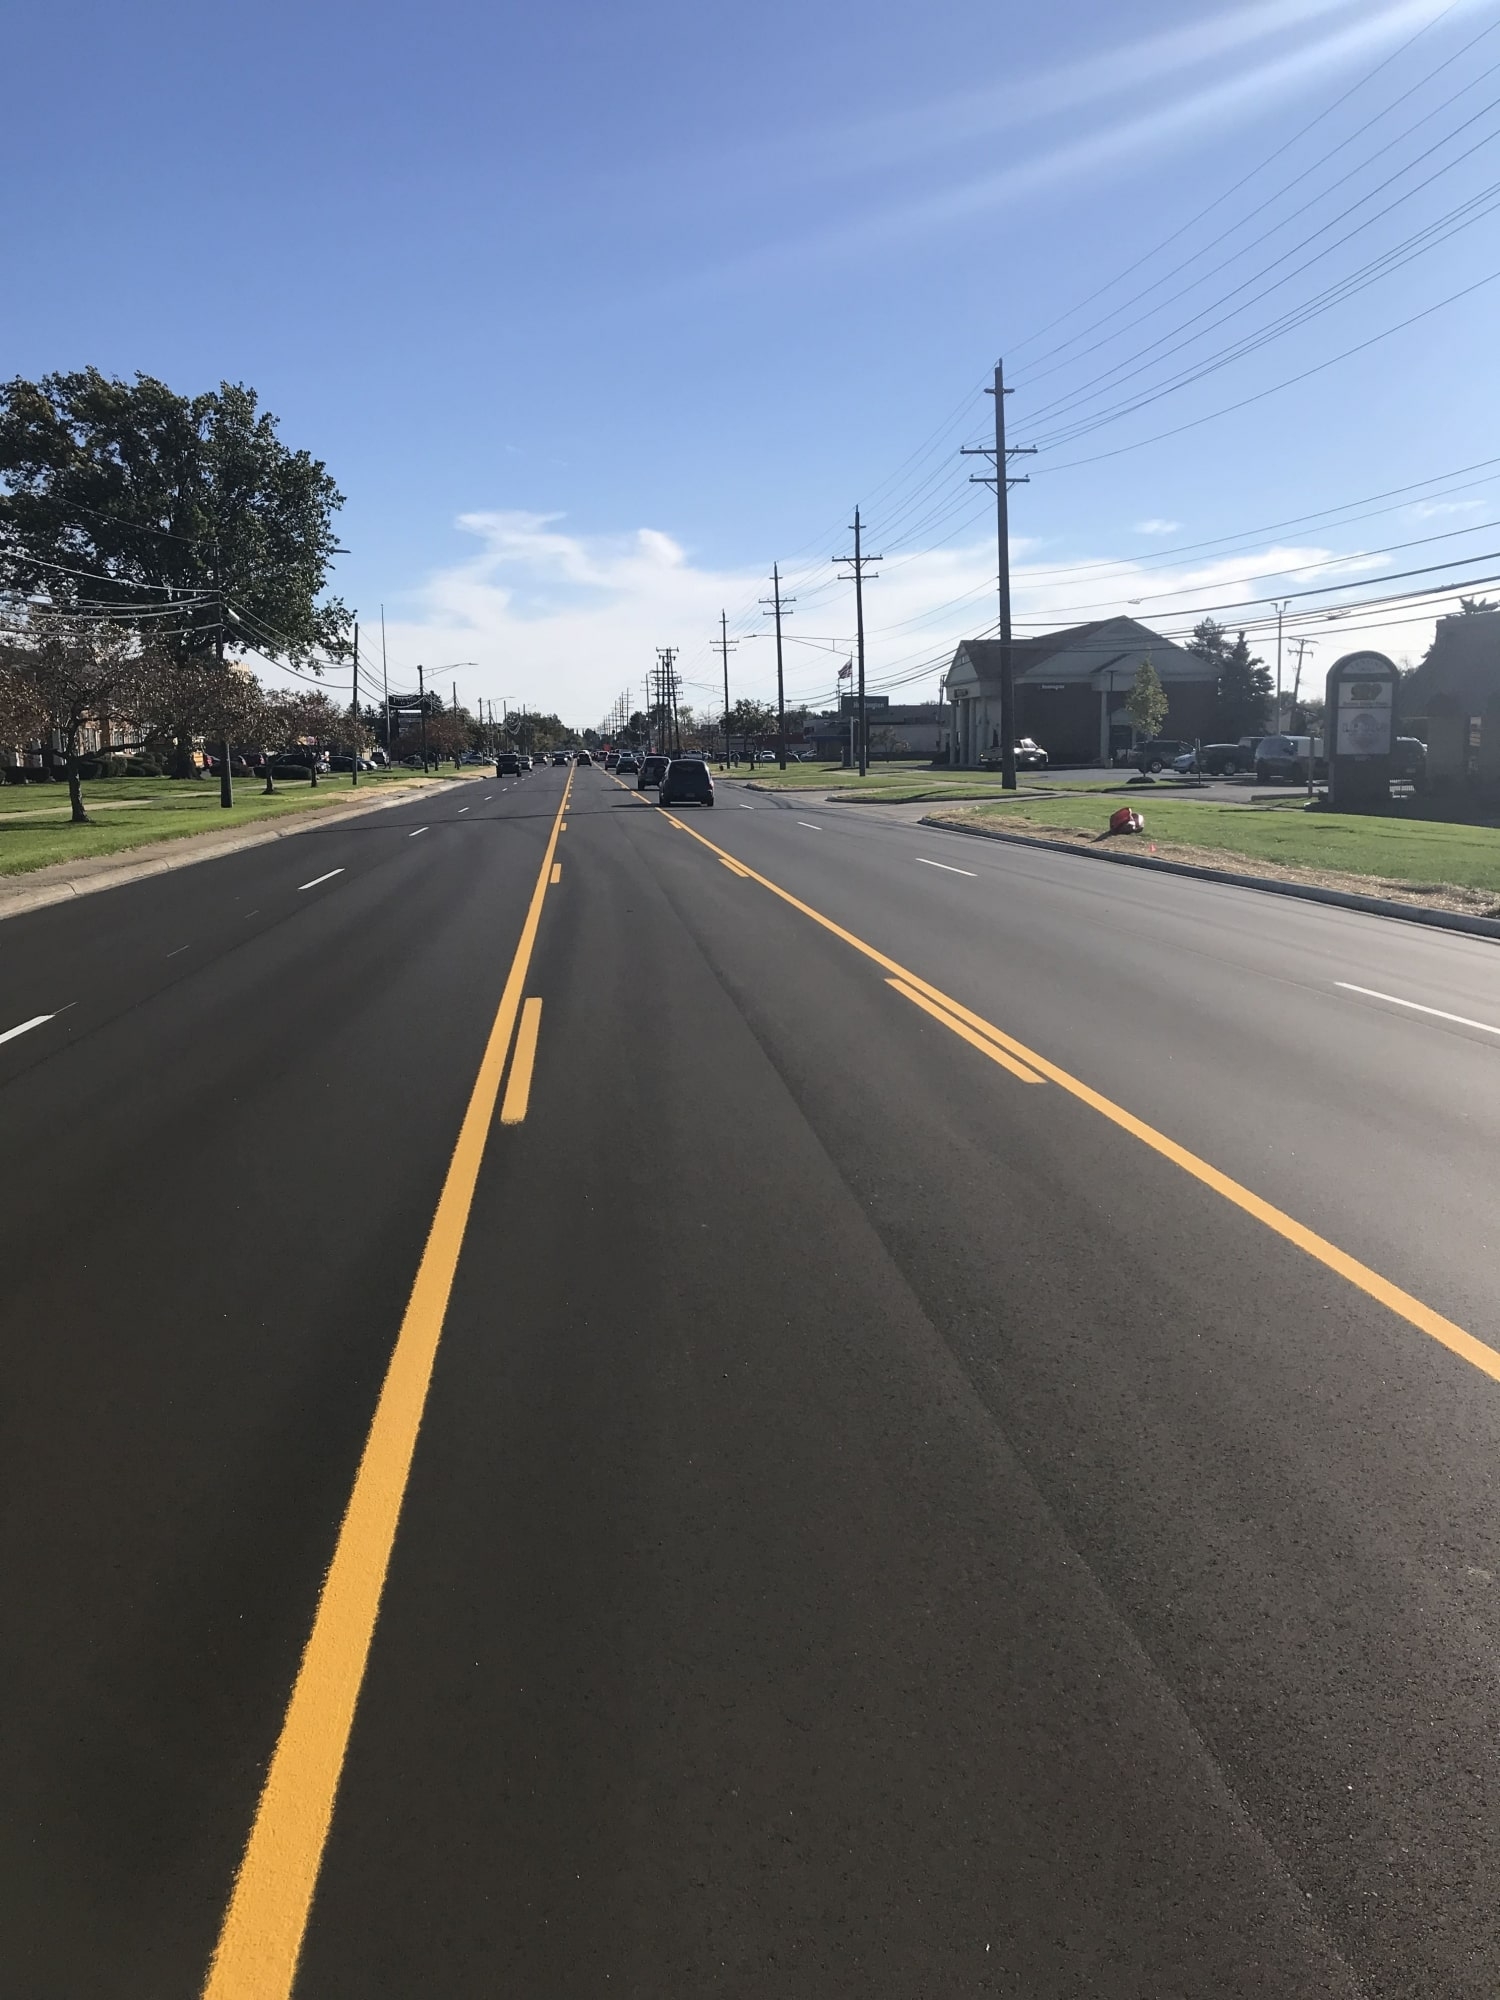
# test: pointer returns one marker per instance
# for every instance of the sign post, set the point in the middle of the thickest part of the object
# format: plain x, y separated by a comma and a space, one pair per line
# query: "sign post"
1360, 730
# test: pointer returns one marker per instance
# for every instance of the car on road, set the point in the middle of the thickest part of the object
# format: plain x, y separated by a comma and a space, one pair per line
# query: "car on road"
583, 757
1287, 757
559, 756
507, 765
611, 760
653, 770
1157, 752
627, 763
527, 761
686, 780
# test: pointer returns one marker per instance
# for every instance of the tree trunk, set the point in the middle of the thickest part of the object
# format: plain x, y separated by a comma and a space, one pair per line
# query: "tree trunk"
270, 791
75, 788
312, 764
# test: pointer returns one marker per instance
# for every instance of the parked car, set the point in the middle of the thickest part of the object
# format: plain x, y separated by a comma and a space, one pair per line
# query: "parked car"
686, 780
1409, 759
653, 770
1287, 757
1030, 756
1215, 760
1157, 752
507, 765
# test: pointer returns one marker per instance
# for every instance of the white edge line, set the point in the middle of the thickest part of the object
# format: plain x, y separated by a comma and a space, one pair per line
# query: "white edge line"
36, 1021
1462, 1020
945, 867
809, 825
317, 879
415, 831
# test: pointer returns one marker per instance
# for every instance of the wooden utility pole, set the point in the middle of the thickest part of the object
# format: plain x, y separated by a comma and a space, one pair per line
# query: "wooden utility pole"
354, 715
1001, 480
779, 606
857, 564
724, 645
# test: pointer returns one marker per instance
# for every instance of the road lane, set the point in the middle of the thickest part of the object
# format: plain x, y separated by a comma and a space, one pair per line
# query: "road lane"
876, 1527
216, 1191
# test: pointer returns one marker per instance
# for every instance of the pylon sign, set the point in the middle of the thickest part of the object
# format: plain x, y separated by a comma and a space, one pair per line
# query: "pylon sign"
1360, 730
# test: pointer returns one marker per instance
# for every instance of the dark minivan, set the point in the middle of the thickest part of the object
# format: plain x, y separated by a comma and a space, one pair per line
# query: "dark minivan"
686, 780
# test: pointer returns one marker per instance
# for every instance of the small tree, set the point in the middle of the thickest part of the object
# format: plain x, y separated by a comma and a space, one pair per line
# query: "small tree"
1146, 704
66, 678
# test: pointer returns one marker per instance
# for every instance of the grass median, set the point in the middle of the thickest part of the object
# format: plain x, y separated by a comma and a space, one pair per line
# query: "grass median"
36, 831
1425, 861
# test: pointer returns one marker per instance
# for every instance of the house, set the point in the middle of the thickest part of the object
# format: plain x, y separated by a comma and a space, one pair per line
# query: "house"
1071, 688
1457, 690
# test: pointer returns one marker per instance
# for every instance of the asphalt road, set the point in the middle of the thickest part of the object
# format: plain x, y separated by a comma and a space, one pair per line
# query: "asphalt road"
894, 1511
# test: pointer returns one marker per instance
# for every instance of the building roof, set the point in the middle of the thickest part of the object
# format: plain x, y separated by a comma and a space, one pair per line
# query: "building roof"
1080, 653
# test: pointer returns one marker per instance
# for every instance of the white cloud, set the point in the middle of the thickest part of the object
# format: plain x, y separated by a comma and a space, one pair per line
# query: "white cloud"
1157, 527
564, 621
1432, 510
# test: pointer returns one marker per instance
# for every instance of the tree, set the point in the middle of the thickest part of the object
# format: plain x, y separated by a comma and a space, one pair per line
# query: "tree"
64, 678
1210, 641
189, 512
1146, 703
1470, 607
1245, 693
752, 721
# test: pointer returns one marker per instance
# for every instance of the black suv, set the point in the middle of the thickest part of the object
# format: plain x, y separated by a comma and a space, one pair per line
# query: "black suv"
507, 765
1158, 753
653, 770
685, 780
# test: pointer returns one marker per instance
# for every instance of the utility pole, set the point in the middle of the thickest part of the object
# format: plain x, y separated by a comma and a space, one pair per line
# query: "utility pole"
1280, 612
354, 712
385, 686
724, 645
857, 562
1002, 482
779, 604
226, 782
422, 709
668, 657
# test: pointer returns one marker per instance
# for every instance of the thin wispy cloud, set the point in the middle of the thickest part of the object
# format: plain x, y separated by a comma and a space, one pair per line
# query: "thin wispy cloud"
1157, 527
1212, 107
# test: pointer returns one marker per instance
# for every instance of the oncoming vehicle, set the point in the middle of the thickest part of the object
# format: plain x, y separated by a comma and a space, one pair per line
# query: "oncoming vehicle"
584, 757
686, 781
559, 756
653, 770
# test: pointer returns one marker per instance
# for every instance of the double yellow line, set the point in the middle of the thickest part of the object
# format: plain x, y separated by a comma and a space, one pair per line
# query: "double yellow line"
1031, 1067
261, 1938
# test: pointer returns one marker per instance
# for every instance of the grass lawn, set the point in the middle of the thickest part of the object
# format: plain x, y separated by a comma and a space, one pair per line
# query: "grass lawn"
898, 783
35, 828
1416, 854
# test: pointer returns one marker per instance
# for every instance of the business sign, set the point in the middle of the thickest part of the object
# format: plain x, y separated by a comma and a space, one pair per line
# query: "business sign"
1366, 706
1361, 731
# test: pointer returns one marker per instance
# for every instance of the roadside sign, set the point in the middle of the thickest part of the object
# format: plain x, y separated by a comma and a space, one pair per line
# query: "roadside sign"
1361, 730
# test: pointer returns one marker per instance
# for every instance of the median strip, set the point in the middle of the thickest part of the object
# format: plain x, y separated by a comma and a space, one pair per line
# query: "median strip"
261, 1940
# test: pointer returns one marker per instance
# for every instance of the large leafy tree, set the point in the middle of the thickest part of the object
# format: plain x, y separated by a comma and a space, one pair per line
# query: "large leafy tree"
1246, 693
185, 516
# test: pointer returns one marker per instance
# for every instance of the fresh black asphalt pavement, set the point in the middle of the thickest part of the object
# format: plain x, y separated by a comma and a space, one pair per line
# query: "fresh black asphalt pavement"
877, 1527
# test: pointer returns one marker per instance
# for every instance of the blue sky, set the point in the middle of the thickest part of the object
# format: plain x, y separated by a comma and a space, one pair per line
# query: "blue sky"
595, 311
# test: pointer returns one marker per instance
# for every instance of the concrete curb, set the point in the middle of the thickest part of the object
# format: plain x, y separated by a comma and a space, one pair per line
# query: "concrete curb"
1308, 892
113, 871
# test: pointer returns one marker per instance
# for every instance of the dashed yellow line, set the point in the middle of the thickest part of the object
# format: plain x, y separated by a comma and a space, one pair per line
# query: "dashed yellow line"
261, 1939
556, 873
518, 1085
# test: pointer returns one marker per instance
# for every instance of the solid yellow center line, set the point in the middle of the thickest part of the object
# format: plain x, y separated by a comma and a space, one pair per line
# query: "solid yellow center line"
258, 1948
518, 1085
961, 1028
1402, 1303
